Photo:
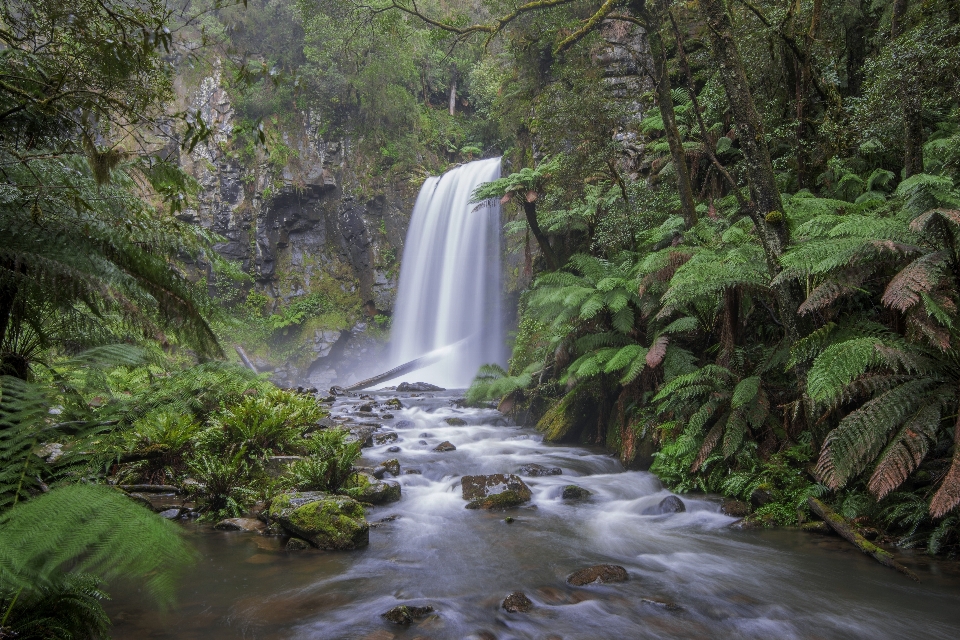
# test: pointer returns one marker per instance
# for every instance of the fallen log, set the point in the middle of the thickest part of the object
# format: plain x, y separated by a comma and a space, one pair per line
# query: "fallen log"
149, 488
243, 356
846, 530
418, 363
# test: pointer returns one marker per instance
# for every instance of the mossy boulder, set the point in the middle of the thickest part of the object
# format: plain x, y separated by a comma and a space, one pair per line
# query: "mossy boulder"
404, 614
495, 491
456, 422
369, 489
504, 500
325, 521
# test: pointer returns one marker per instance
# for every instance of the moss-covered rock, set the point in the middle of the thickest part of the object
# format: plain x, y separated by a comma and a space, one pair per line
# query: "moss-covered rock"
325, 521
456, 422
573, 492
477, 487
369, 489
504, 500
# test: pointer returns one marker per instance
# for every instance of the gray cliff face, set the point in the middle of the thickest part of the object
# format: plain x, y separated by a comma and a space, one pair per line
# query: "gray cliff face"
297, 226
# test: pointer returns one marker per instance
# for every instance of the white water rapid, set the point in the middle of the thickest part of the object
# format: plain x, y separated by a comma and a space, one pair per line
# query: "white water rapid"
450, 281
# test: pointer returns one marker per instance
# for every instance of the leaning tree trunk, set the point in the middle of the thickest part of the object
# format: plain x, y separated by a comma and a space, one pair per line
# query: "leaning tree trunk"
665, 103
767, 212
530, 211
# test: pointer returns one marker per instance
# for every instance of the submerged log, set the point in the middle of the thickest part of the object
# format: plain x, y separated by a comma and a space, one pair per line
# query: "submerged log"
846, 530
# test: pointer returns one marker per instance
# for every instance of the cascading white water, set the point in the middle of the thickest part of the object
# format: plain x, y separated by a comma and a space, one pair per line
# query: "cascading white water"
450, 280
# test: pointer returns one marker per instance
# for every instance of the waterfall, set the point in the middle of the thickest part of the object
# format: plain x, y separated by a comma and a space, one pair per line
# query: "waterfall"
450, 280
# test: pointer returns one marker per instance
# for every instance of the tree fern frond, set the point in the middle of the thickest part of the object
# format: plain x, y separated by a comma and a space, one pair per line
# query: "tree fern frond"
95, 529
734, 432
905, 451
838, 365
920, 276
861, 435
745, 392
947, 496
709, 444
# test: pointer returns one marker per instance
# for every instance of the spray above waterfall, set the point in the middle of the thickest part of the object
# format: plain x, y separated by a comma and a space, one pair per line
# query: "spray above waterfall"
450, 279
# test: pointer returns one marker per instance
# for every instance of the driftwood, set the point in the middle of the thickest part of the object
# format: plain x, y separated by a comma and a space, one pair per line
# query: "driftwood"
418, 363
846, 530
246, 360
149, 488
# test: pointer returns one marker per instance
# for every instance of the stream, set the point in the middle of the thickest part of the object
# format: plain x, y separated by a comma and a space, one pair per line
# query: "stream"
690, 574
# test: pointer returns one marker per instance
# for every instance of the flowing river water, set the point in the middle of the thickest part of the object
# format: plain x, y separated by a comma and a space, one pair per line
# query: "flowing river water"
690, 574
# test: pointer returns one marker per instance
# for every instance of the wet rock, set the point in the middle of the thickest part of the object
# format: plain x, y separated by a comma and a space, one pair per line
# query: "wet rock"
760, 497
496, 491
404, 614
381, 492
503, 500
538, 470
367, 414
517, 602
394, 449
598, 574
385, 438
456, 422
337, 391
365, 407
391, 466
327, 423
425, 435
170, 514
394, 403
663, 604
444, 446
670, 504
328, 399
383, 521
413, 472
573, 492
240, 524
509, 520
386, 416
474, 487
406, 387
423, 442
362, 433
325, 521
404, 424
296, 544
735, 508
50, 452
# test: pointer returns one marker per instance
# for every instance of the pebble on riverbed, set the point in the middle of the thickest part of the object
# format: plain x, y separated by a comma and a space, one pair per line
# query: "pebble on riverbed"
405, 615
598, 574
517, 602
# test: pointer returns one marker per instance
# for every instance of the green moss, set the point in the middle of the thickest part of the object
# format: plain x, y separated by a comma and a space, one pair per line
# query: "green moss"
504, 500
337, 519
559, 420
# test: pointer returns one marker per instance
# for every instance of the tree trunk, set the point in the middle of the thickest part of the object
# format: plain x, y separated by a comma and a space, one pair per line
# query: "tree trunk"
665, 104
912, 103
453, 91
530, 210
767, 213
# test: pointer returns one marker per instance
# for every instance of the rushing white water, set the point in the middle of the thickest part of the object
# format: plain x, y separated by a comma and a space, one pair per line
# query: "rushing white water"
450, 281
